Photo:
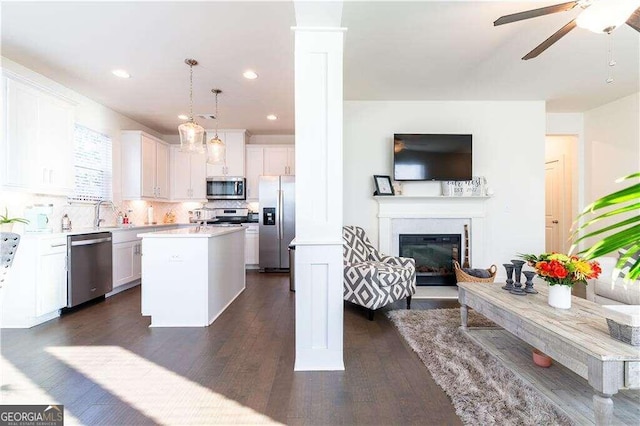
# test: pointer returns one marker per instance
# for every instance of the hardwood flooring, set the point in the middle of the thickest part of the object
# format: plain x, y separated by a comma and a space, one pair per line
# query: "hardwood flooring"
107, 366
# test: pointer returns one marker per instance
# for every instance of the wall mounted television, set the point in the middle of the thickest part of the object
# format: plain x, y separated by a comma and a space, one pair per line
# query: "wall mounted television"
432, 157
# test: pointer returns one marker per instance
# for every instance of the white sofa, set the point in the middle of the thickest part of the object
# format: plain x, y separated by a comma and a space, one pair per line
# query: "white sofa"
621, 292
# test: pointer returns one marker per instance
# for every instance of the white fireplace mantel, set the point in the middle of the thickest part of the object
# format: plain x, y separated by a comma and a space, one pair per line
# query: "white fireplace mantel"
392, 208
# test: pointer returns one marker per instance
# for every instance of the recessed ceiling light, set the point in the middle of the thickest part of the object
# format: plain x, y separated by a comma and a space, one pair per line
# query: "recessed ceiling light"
272, 117
250, 75
183, 117
121, 73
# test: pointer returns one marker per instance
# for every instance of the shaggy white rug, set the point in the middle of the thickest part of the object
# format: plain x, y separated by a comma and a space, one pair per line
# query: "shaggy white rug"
482, 390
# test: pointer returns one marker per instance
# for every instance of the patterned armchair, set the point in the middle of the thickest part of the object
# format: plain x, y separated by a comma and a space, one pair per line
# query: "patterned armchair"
371, 279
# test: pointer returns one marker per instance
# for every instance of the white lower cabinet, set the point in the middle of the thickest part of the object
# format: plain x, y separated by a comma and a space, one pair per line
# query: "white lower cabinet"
252, 245
126, 262
51, 285
36, 285
127, 256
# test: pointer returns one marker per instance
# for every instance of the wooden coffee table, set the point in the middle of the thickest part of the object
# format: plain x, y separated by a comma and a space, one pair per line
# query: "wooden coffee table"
577, 338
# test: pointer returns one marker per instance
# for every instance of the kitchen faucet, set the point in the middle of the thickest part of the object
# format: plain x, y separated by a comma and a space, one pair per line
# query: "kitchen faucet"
97, 220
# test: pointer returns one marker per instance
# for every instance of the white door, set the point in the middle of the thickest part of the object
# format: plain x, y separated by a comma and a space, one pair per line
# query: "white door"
275, 161
148, 167
51, 293
234, 143
255, 156
124, 256
198, 176
553, 206
162, 171
180, 174
55, 135
291, 161
20, 169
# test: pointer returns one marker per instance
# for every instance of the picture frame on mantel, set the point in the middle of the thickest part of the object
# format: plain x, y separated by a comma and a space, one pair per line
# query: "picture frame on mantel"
383, 185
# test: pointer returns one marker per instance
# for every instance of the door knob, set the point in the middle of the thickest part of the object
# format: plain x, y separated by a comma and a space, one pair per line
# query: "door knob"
554, 221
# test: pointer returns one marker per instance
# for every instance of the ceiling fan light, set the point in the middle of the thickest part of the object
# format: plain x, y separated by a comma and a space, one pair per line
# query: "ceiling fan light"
606, 16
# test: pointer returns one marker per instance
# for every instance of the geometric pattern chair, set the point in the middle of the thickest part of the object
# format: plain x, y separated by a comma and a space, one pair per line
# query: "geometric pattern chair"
371, 279
8, 247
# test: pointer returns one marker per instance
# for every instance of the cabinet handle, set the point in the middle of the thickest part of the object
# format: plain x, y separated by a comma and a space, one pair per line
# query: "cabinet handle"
59, 245
50, 176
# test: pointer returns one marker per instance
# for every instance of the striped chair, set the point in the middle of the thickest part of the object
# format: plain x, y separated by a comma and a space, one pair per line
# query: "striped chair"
371, 279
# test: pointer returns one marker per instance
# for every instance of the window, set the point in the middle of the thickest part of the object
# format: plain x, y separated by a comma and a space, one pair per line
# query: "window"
92, 164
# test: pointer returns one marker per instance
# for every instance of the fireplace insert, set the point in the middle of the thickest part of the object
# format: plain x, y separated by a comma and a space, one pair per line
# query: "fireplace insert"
434, 255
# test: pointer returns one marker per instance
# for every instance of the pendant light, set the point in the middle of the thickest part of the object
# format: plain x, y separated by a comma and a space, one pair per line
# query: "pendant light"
215, 146
191, 133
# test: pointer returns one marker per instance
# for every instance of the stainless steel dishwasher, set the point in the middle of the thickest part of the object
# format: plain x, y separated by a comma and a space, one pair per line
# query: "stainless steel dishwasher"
90, 273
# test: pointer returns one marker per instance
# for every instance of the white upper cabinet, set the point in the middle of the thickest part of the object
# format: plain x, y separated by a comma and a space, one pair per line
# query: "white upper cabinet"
37, 149
255, 169
267, 160
279, 160
145, 167
188, 176
233, 165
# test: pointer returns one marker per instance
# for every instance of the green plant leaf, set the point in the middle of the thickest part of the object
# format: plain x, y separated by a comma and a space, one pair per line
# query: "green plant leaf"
625, 222
612, 242
618, 197
611, 213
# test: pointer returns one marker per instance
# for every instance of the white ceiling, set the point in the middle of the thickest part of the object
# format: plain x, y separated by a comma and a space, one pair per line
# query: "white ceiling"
393, 51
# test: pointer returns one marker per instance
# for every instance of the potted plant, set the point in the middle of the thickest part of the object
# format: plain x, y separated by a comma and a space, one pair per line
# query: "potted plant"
623, 234
561, 272
6, 222
623, 320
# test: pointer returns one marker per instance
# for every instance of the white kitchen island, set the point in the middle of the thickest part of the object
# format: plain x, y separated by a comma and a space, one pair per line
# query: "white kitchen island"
191, 275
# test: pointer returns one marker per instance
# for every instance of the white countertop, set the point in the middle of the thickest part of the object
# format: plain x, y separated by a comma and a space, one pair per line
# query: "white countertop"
102, 229
193, 232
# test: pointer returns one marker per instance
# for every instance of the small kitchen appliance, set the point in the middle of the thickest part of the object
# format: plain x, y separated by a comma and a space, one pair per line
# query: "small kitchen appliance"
38, 216
226, 188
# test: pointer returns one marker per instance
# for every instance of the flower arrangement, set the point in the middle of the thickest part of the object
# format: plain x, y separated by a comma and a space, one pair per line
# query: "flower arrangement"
561, 269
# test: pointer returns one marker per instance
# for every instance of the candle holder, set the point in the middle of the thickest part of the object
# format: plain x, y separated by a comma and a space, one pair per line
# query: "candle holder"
528, 285
509, 268
517, 285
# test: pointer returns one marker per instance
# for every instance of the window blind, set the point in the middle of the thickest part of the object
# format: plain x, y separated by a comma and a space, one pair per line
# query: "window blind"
93, 165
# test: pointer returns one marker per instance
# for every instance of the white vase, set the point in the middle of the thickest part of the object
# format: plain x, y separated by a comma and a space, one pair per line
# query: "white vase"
560, 296
6, 227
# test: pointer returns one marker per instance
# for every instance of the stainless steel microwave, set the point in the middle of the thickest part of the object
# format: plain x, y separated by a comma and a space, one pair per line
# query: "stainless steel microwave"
226, 188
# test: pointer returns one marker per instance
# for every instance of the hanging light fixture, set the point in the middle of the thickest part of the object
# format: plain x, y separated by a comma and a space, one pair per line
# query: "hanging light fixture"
215, 146
191, 133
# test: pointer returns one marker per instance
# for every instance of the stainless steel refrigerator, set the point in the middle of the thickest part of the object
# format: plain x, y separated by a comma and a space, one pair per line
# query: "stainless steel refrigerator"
277, 220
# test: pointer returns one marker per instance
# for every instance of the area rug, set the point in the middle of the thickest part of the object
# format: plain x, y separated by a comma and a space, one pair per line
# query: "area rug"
482, 390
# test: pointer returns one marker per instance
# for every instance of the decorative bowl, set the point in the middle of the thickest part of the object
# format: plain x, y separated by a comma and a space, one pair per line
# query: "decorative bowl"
541, 360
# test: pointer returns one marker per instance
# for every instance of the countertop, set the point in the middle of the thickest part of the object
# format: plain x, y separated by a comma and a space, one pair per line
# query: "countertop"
102, 229
193, 232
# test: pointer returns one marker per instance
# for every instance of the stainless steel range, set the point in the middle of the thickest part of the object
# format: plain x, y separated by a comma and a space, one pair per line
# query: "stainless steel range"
221, 216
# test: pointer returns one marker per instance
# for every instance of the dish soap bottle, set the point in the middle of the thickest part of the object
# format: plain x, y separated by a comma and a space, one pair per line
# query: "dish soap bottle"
66, 223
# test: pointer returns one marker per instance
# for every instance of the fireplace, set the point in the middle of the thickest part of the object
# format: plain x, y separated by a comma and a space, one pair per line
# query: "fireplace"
434, 255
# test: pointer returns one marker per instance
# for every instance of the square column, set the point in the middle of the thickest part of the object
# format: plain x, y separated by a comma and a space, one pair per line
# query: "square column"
318, 264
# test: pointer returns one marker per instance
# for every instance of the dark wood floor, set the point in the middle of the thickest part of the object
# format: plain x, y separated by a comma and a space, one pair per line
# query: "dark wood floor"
247, 355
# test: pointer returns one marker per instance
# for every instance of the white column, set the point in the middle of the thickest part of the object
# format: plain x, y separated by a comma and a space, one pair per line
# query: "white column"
318, 266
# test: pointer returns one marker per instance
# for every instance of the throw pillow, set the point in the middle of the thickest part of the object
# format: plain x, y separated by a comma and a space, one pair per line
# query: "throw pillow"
478, 273
628, 264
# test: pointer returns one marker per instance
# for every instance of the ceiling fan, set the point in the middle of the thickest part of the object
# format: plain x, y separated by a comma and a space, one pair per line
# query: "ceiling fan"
599, 16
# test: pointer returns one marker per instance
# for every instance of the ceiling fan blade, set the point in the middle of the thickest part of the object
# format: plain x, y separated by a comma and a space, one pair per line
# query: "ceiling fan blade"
548, 42
535, 13
634, 20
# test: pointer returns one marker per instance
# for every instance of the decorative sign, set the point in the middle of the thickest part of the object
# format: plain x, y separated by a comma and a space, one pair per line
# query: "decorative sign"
464, 188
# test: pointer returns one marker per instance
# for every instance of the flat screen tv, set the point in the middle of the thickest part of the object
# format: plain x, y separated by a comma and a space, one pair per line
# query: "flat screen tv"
431, 157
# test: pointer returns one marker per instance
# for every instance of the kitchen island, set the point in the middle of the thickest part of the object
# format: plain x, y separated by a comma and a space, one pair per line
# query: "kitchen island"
191, 275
